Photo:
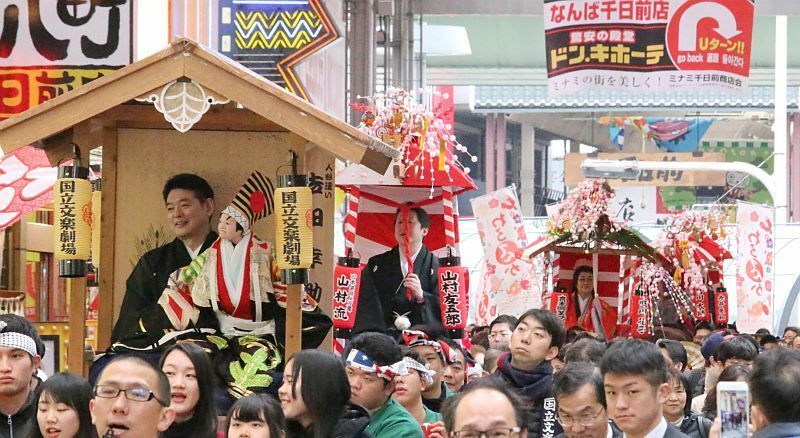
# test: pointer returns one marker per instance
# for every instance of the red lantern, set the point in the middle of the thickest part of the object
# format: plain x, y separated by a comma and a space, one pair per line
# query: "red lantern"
640, 315
701, 306
721, 306
346, 283
453, 293
559, 303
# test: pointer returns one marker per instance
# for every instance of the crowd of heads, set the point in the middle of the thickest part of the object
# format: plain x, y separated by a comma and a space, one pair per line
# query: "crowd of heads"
625, 386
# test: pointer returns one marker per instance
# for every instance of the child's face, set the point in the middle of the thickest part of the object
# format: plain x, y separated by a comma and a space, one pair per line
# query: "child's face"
249, 429
227, 228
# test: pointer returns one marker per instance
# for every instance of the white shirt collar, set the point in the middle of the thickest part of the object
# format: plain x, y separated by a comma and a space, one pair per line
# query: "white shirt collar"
609, 431
193, 253
582, 302
658, 432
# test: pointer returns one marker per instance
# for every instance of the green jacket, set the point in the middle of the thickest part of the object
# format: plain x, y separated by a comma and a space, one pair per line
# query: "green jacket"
394, 421
430, 416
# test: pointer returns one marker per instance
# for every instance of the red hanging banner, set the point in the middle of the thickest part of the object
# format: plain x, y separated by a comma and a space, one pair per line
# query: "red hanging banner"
346, 284
721, 306
700, 302
559, 303
640, 316
453, 293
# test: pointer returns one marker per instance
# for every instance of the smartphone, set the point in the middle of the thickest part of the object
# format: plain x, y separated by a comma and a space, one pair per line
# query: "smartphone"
733, 408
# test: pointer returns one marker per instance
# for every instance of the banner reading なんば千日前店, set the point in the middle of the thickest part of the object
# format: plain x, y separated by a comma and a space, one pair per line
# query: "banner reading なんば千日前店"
642, 46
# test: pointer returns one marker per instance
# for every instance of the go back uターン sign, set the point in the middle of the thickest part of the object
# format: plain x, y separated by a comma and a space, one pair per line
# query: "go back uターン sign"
643, 46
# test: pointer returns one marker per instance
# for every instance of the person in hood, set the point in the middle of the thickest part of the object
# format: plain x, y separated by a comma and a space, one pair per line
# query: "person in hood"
315, 398
371, 363
255, 416
19, 360
535, 341
775, 392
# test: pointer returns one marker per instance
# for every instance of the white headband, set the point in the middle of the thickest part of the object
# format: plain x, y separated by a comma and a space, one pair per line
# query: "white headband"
409, 363
17, 340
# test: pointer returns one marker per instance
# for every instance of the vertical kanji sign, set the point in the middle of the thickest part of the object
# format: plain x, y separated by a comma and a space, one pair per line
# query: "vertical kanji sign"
647, 45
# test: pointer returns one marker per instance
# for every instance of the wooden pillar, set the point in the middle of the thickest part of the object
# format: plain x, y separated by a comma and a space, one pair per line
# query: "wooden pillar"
77, 326
105, 318
294, 318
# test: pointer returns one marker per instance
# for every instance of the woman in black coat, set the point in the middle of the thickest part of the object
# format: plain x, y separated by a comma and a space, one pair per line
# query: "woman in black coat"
677, 409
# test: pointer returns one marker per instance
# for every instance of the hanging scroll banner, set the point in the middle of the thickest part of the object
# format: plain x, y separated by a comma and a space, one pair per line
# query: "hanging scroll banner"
647, 45
755, 267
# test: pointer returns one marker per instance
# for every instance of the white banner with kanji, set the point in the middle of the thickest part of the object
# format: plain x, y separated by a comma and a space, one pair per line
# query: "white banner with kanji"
509, 282
755, 267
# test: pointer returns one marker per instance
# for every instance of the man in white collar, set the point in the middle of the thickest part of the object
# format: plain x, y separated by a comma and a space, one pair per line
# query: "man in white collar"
581, 402
189, 204
636, 388
392, 297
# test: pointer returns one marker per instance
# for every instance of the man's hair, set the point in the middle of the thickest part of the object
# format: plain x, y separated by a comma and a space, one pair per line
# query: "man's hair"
162, 389
450, 405
188, 181
703, 325
504, 319
380, 348
736, 347
675, 350
635, 357
791, 329
762, 332
775, 385
490, 359
768, 339
21, 325
551, 323
585, 350
574, 376
422, 216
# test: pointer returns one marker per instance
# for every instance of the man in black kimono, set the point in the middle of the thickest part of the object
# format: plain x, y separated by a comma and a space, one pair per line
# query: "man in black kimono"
189, 201
383, 302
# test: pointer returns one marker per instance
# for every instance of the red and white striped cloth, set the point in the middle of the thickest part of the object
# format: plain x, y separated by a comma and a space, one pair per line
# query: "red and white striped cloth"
351, 220
629, 281
449, 218
607, 281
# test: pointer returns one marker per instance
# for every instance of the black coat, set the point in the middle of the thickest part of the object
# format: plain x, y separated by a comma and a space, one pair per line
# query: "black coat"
696, 426
381, 296
351, 424
21, 424
535, 387
674, 432
140, 308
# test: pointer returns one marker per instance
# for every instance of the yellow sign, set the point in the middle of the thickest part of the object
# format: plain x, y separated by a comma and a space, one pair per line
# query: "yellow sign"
293, 235
72, 199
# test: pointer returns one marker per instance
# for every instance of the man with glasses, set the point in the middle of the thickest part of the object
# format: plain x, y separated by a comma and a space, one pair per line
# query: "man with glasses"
131, 399
484, 409
500, 332
581, 402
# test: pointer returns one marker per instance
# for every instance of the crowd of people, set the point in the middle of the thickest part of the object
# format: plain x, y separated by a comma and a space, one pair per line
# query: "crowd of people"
426, 385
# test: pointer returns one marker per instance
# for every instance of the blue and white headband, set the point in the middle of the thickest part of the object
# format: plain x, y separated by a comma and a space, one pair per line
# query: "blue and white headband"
17, 340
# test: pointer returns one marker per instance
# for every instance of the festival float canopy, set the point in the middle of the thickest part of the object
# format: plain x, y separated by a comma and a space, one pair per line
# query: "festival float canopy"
427, 174
185, 109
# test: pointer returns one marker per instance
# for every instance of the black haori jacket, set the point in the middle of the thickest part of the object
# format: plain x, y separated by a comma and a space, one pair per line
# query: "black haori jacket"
536, 389
381, 296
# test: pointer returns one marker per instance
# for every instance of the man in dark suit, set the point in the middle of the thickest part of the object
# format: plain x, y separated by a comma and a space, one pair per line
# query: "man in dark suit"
392, 298
581, 402
635, 382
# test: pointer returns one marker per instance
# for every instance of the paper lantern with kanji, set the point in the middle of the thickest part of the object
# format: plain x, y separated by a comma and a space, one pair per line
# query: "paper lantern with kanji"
72, 196
453, 293
559, 303
721, 306
700, 302
294, 240
346, 284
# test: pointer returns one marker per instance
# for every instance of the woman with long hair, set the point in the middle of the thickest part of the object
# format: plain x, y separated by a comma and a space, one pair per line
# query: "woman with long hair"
315, 398
191, 378
678, 408
731, 373
255, 416
63, 408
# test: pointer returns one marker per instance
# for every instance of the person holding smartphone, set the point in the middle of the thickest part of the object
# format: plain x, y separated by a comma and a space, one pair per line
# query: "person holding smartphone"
775, 392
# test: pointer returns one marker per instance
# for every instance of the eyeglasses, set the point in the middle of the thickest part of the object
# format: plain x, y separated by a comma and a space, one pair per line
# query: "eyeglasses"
586, 420
137, 393
497, 432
